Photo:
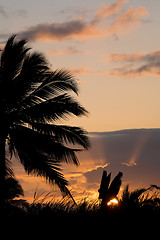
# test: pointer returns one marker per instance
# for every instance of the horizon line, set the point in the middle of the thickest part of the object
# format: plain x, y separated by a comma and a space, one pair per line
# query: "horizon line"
125, 130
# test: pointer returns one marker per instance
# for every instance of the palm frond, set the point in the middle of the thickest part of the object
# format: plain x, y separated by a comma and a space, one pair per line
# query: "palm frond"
56, 81
42, 144
33, 71
53, 109
134, 195
39, 163
11, 62
134, 198
116, 184
63, 133
9, 170
47, 84
103, 190
125, 195
13, 189
106, 192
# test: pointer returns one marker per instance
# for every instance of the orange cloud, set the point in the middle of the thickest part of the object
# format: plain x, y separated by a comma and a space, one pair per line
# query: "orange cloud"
126, 57
138, 72
76, 28
80, 70
137, 64
107, 10
107, 20
127, 20
69, 50
84, 70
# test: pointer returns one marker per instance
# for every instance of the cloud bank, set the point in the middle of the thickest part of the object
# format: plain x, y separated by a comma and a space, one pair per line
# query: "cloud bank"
135, 152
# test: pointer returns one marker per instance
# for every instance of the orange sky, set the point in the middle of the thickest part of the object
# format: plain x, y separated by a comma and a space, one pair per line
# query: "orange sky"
112, 47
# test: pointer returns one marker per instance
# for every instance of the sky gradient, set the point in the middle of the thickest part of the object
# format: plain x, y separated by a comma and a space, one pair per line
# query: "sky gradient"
112, 47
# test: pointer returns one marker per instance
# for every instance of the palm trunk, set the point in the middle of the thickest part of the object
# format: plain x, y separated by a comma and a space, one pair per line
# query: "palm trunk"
2, 170
3, 136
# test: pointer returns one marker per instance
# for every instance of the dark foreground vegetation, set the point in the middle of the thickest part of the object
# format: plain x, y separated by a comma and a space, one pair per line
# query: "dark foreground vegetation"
140, 203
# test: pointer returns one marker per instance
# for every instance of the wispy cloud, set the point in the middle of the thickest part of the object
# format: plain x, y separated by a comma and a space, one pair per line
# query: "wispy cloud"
85, 70
137, 64
3, 11
80, 70
106, 10
69, 50
10, 14
108, 19
128, 20
21, 13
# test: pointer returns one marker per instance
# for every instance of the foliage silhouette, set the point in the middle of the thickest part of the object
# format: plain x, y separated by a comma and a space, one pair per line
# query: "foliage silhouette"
12, 187
32, 99
106, 191
131, 198
142, 204
141, 198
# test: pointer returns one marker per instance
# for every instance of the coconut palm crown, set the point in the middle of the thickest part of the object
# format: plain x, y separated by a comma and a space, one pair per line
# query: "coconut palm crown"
32, 100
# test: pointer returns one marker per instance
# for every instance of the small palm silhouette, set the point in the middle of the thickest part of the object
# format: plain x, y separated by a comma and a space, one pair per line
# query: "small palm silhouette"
12, 188
32, 99
106, 191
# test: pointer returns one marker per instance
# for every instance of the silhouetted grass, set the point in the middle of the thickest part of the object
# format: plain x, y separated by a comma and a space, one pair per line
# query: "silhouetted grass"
140, 203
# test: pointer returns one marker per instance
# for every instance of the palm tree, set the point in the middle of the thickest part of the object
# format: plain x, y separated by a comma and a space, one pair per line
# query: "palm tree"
132, 199
12, 189
107, 190
32, 100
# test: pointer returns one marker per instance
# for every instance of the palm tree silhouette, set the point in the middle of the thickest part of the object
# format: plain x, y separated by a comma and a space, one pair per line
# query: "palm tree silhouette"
32, 99
12, 187
107, 190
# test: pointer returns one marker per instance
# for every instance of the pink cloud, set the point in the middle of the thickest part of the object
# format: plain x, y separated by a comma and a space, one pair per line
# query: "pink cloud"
69, 50
84, 70
108, 19
126, 57
139, 64
127, 20
76, 28
80, 70
107, 10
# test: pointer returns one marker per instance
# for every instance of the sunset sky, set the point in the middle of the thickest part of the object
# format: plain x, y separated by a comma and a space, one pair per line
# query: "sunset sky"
113, 49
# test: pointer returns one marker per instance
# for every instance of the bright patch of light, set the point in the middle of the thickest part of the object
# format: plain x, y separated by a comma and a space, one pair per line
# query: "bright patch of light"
112, 201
